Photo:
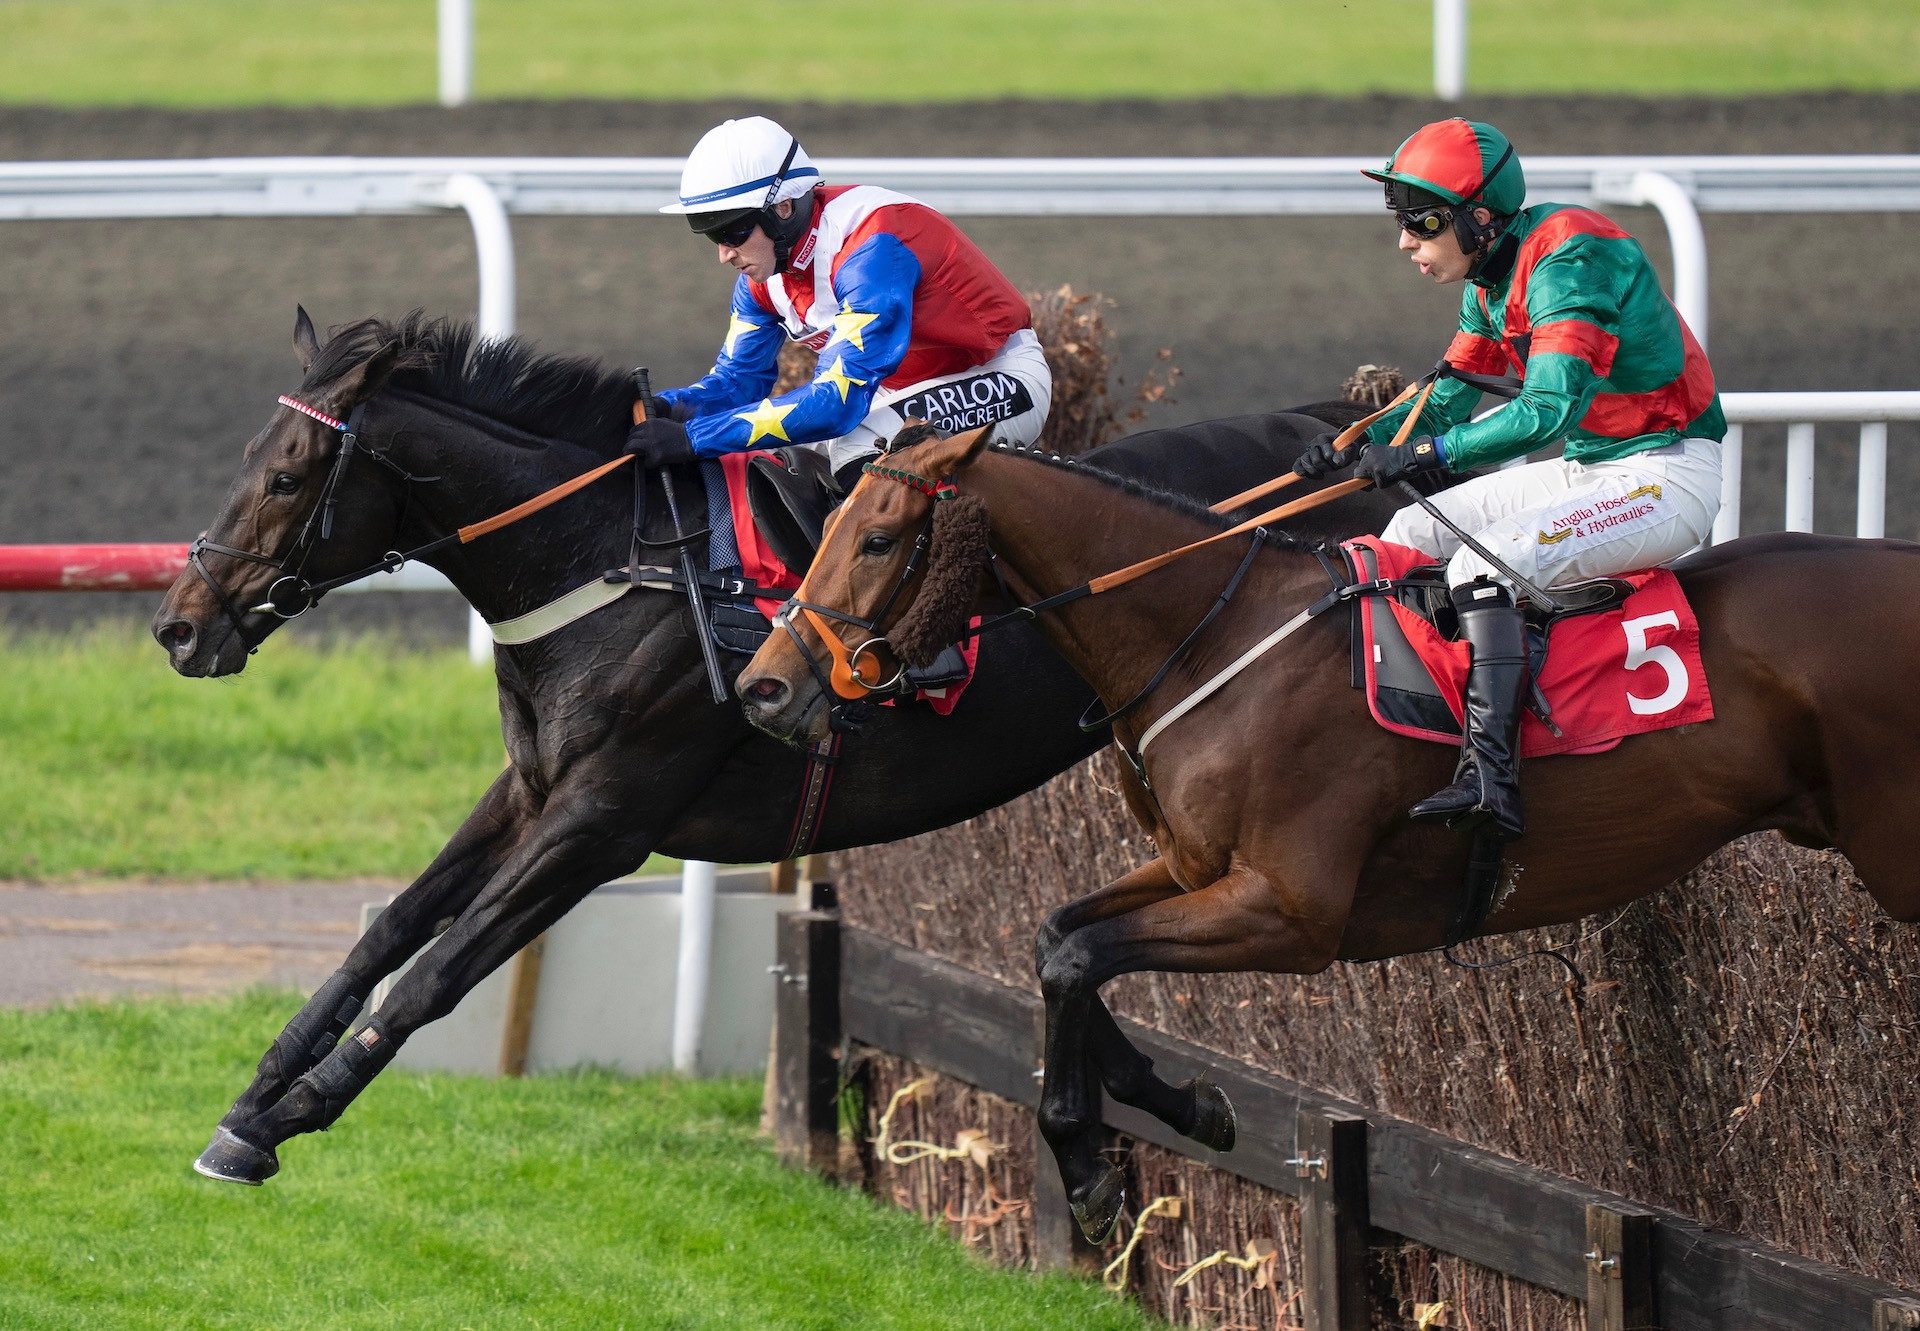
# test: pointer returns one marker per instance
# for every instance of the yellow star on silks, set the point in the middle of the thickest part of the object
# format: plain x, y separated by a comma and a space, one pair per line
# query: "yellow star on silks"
851, 324
765, 420
836, 374
736, 329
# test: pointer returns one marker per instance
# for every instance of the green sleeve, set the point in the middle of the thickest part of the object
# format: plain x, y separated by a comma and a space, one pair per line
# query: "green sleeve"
1475, 347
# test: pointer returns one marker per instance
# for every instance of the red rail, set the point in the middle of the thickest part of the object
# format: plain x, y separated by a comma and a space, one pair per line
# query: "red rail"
90, 568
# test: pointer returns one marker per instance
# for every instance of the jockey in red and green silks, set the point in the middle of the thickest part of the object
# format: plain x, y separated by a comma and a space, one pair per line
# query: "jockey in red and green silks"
1566, 300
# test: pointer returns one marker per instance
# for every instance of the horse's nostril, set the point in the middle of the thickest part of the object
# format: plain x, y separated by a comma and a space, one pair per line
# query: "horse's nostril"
767, 689
175, 634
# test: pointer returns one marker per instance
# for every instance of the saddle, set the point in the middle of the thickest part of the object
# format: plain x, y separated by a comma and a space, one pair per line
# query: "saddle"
1408, 657
789, 493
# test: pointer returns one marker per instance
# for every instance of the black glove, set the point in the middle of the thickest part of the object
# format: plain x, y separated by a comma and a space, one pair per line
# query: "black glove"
1320, 459
659, 408
1383, 464
659, 441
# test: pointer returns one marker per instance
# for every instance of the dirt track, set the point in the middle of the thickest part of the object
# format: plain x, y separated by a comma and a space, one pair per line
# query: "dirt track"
136, 357
97, 940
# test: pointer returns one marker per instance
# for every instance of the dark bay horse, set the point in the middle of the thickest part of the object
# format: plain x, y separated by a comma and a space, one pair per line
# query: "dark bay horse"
615, 748
1279, 807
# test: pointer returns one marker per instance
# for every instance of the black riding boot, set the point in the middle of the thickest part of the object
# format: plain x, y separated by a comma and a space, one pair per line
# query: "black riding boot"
1486, 783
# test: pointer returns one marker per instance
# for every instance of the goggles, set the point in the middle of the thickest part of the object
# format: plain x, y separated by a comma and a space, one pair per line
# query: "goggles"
1424, 223
730, 229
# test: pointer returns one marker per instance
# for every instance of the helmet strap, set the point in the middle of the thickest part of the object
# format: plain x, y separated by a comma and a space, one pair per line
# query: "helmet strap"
786, 232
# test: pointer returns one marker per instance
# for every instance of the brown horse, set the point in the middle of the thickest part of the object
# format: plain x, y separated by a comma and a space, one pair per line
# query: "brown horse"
1279, 807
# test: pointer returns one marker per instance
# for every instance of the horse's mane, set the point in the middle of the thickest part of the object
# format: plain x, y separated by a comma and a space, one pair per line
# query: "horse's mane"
559, 397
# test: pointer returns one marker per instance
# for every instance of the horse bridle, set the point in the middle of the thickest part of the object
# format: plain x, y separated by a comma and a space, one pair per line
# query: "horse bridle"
291, 594
844, 682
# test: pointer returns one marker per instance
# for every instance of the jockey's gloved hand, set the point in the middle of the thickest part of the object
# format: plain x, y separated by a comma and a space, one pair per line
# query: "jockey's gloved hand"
659, 441
659, 407
1383, 464
1320, 459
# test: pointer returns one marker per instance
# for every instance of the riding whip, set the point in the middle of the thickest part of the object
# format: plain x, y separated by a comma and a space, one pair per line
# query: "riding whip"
1534, 593
696, 597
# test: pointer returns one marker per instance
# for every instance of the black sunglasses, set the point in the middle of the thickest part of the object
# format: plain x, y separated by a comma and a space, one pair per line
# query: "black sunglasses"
735, 231
1424, 223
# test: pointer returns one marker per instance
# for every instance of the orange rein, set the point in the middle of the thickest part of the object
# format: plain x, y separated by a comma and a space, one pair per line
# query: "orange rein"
845, 675
539, 501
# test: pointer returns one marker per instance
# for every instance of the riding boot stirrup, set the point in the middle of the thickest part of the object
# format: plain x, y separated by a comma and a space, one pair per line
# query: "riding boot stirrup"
1486, 782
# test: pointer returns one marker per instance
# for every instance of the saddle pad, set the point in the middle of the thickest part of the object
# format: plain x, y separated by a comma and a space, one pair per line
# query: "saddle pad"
1608, 674
755, 557
757, 562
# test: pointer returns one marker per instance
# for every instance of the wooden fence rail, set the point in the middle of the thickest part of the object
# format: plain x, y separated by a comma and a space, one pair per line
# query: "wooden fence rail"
1637, 1267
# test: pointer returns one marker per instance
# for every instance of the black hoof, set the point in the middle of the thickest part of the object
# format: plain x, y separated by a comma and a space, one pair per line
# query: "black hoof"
1213, 1124
1097, 1206
232, 1160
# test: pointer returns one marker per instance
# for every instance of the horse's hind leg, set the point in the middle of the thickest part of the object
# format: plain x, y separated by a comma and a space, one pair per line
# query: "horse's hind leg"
1197, 1108
444, 890
1237, 923
570, 851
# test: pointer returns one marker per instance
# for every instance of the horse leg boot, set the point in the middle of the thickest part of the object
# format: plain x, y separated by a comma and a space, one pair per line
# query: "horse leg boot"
441, 892
566, 854
1486, 784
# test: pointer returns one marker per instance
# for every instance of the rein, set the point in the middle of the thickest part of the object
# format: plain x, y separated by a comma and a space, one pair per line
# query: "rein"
844, 681
291, 594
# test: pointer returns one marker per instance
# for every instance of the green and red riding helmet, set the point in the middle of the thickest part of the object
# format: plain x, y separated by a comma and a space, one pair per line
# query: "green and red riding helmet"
1456, 165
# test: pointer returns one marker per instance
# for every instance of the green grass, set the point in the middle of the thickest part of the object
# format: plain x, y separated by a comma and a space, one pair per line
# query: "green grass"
240, 52
587, 1201
357, 760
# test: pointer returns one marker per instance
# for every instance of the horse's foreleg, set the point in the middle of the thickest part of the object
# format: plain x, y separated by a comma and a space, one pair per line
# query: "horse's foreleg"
1197, 1108
1237, 923
441, 892
567, 852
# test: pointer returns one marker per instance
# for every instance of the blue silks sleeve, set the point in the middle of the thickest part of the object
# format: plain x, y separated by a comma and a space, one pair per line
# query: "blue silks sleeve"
871, 332
748, 364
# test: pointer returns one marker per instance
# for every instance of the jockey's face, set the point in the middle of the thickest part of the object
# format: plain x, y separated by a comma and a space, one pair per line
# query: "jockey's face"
1440, 257
754, 256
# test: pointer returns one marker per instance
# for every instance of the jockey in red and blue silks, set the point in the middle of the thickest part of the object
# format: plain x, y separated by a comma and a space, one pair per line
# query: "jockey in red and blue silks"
909, 318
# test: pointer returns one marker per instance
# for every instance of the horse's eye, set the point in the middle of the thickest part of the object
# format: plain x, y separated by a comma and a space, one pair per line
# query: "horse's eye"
879, 543
284, 483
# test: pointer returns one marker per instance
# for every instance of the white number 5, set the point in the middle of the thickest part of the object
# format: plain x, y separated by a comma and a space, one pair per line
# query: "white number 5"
1640, 654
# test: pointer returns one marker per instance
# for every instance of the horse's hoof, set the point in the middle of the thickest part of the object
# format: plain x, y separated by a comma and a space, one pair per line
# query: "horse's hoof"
232, 1160
1213, 1124
1097, 1207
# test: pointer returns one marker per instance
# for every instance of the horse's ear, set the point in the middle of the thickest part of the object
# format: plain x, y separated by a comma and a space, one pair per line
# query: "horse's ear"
306, 346
364, 379
956, 453
980, 439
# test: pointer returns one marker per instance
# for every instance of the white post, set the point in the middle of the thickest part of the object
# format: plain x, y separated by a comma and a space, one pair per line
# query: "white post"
1871, 518
1800, 477
456, 51
1449, 49
1644, 189
696, 962
493, 241
1726, 524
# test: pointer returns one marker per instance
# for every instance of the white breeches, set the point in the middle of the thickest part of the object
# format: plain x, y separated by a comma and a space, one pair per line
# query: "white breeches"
1557, 522
1011, 392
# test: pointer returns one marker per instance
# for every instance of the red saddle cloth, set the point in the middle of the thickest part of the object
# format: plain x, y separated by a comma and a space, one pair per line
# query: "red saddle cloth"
1608, 674
760, 565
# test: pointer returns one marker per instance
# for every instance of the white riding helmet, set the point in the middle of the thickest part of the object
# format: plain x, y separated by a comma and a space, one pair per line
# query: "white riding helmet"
750, 163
